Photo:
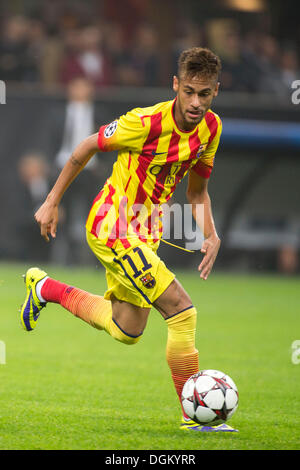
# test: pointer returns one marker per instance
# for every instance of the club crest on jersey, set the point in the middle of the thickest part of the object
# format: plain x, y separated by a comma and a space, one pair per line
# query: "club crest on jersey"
148, 280
200, 150
110, 129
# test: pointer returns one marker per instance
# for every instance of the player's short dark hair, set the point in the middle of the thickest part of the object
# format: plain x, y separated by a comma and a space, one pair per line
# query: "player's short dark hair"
198, 61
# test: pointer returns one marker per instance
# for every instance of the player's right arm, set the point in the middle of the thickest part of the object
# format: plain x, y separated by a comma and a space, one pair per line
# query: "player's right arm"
47, 215
128, 131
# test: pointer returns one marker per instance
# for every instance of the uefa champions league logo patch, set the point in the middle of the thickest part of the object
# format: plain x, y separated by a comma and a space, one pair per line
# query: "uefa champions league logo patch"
110, 129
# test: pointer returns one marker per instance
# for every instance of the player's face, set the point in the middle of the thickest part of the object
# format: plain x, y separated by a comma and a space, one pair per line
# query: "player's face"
194, 98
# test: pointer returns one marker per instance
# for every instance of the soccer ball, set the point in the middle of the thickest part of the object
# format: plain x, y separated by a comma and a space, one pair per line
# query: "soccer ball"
209, 397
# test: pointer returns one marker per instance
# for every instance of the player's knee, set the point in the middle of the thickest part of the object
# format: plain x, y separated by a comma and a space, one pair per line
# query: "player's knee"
185, 320
173, 300
130, 340
123, 336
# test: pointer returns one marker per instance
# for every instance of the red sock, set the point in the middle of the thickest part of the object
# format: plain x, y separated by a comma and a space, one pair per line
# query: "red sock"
53, 290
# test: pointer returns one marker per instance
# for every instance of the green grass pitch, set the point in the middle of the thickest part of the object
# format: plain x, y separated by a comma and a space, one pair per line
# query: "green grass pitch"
68, 386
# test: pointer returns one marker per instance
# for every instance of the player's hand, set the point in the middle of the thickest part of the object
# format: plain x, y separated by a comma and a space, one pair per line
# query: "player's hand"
210, 248
47, 218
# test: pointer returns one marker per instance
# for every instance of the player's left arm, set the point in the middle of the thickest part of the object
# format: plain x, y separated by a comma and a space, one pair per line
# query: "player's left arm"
197, 194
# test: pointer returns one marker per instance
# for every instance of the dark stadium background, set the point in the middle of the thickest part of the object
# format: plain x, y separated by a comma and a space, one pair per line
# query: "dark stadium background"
255, 183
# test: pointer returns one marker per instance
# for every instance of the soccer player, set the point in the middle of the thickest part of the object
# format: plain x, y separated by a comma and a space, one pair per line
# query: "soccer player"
157, 146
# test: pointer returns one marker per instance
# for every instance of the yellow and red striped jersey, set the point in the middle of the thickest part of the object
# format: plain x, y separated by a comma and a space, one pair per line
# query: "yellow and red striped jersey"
153, 157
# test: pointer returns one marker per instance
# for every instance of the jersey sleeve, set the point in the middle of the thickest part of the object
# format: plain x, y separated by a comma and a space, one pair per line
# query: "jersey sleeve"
205, 163
129, 131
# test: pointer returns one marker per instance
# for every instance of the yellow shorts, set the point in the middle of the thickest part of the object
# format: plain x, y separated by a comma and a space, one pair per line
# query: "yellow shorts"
136, 275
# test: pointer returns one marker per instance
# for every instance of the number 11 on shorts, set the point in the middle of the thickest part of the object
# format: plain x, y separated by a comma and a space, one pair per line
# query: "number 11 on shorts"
145, 267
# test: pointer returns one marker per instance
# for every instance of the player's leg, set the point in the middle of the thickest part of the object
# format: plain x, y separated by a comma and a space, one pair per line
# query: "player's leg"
122, 311
122, 320
180, 315
176, 307
174, 299
130, 318
138, 276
